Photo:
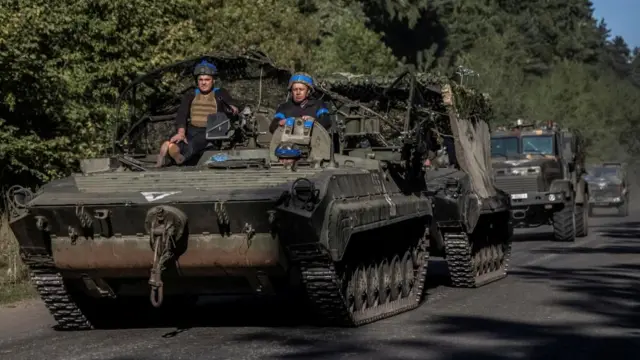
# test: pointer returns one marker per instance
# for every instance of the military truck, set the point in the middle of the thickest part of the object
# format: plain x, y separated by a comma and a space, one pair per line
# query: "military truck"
347, 225
608, 187
542, 168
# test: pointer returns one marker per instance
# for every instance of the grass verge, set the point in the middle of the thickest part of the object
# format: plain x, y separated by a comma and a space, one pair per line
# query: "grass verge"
14, 279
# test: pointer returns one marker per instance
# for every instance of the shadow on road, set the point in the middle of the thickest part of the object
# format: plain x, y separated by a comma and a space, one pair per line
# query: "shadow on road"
541, 235
606, 213
611, 292
607, 297
266, 311
627, 237
545, 233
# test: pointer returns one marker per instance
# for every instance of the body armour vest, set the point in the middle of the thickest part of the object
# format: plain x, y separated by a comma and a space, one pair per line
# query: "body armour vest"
201, 107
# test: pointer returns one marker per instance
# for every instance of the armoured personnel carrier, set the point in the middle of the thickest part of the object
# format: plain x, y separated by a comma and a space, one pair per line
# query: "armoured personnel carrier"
542, 168
350, 222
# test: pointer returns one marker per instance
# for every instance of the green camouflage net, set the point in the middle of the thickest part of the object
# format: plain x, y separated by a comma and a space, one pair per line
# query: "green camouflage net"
442, 115
389, 96
251, 78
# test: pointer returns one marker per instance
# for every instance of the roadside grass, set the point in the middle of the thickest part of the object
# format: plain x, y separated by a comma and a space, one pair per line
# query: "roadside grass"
14, 277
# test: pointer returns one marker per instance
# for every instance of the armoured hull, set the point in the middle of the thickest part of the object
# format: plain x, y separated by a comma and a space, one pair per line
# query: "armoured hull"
173, 233
473, 233
99, 225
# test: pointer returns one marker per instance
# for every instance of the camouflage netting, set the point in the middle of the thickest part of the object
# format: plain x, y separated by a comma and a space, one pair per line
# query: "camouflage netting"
370, 92
251, 78
462, 117
392, 103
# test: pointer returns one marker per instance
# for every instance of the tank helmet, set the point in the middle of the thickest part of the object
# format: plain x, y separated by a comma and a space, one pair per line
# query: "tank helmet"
302, 78
205, 68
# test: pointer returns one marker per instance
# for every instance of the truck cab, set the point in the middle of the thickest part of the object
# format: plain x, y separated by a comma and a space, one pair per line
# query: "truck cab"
538, 167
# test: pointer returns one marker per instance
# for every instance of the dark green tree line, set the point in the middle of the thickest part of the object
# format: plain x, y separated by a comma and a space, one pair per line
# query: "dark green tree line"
63, 62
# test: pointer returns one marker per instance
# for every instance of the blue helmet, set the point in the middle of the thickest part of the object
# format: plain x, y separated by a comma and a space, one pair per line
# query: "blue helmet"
302, 78
205, 68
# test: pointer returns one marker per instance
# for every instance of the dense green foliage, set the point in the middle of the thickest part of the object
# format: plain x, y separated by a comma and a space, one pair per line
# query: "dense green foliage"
64, 61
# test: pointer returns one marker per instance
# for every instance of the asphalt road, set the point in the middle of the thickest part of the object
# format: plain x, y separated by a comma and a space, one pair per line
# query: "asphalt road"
579, 300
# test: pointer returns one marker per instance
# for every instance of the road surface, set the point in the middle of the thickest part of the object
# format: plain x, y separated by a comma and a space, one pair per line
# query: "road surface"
578, 300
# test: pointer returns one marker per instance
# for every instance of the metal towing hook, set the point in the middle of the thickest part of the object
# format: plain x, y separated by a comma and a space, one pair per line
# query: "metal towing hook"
166, 226
157, 294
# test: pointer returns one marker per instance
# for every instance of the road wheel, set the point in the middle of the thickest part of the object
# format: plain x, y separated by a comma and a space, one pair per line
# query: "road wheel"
582, 218
564, 223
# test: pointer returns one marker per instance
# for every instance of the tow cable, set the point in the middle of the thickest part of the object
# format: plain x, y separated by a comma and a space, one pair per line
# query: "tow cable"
166, 226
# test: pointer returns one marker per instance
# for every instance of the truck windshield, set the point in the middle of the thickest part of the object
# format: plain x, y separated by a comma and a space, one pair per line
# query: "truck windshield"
504, 146
541, 145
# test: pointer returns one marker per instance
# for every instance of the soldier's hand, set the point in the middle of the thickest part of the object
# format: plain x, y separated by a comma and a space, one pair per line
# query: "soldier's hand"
281, 122
179, 137
234, 109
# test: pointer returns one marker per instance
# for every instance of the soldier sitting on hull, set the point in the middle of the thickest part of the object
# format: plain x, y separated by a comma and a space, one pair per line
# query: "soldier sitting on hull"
300, 105
190, 139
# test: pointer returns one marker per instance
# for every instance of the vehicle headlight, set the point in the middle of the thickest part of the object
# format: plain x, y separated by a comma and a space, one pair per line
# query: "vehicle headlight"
531, 170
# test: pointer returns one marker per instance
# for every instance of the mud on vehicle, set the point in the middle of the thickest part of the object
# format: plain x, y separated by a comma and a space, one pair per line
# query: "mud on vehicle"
542, 169
608, 187
348, 226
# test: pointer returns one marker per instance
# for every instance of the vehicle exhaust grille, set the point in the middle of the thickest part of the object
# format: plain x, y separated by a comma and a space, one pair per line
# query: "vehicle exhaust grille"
518, 184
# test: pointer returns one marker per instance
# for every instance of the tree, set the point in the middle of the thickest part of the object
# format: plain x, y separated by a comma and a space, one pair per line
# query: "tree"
65, 61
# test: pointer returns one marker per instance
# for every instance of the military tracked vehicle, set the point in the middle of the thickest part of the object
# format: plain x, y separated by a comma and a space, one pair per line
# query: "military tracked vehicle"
608, 187
542, 168
349, 222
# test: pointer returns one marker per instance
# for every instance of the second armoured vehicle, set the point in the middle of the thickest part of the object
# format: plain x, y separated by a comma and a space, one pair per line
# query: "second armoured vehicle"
350, 221
542, 169
608, 187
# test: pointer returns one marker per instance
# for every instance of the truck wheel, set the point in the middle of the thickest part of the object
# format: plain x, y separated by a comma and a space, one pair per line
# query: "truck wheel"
564, 224
582, 219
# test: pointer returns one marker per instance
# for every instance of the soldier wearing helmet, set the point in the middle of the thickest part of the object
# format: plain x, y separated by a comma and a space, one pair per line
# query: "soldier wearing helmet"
191, 120
300, 105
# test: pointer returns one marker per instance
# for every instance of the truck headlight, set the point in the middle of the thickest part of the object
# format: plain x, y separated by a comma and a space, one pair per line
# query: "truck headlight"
531, 170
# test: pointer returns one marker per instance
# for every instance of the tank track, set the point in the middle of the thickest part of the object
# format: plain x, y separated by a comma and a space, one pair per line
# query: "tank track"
328, 288
50, 286
476, 264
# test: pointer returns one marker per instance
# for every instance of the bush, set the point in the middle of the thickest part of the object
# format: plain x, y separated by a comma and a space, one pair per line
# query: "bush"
14, 283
